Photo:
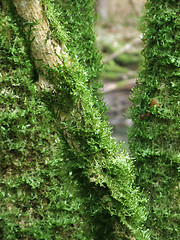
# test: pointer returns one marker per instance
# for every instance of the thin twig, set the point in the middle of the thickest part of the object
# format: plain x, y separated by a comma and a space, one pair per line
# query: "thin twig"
123, 49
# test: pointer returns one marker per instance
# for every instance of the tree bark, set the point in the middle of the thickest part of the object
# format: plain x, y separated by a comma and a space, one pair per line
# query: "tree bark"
154, 135
43, 49
94, 154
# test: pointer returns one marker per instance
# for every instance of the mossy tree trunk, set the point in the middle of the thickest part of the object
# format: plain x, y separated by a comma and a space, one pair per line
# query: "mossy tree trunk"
154, 135
56, 42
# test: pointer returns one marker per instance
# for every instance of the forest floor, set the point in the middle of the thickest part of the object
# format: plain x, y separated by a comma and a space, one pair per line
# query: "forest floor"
120, 44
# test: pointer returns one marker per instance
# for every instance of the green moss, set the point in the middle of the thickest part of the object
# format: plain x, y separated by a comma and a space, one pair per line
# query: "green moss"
68, 179
38, 199
129, 59
114, 71
154, 141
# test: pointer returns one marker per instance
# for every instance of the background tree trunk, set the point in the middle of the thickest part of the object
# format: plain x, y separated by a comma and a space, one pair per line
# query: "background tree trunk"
102, 9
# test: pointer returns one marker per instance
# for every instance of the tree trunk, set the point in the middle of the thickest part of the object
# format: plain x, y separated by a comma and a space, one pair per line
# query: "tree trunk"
154, 135
60, 39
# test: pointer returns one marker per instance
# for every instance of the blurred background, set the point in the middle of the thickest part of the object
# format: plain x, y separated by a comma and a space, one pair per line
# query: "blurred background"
119, 41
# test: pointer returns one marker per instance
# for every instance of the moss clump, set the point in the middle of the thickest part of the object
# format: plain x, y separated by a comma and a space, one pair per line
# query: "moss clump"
114, 71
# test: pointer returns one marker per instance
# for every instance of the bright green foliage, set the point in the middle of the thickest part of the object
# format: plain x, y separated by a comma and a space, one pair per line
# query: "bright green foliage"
90, 150
64, 179
154, 140
72, 25
38, 199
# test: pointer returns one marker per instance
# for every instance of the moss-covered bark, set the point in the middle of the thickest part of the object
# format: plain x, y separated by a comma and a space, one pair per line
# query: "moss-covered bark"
154, 136
38, 199
41, 157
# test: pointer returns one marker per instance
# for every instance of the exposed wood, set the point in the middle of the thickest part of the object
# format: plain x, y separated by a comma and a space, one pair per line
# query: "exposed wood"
44, 50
